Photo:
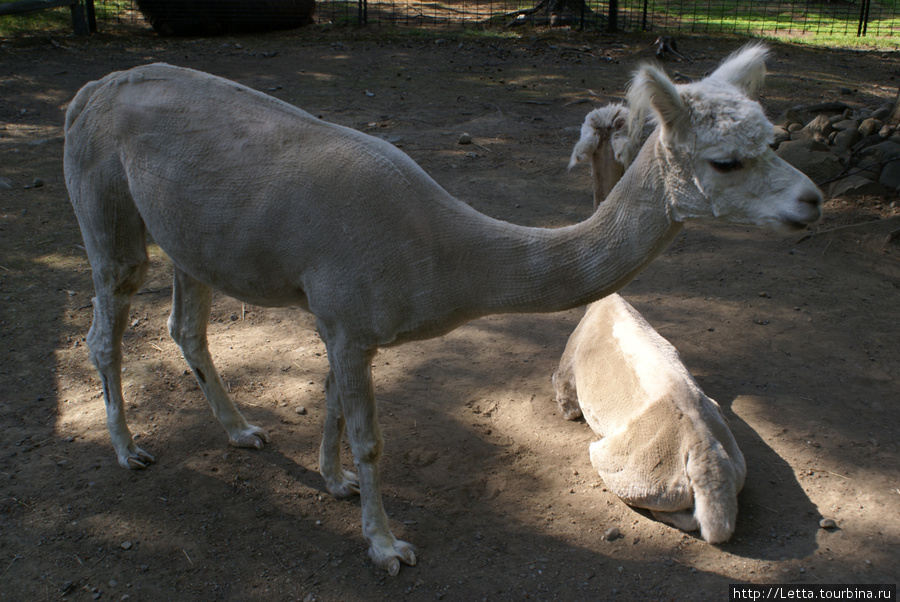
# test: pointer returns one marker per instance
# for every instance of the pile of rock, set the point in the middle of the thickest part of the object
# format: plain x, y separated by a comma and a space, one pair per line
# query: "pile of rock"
846, 151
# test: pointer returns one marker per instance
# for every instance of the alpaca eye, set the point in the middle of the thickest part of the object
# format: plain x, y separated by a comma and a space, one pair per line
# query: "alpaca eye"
726, 165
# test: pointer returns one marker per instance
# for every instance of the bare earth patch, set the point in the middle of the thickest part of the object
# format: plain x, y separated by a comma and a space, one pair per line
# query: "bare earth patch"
797, 340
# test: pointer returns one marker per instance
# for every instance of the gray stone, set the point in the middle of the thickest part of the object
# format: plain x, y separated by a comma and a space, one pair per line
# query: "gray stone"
882, 112
886, 131
812, 158
818, 129
869, 126
856, 186
890, 176
879, 153
844, 139
845, 124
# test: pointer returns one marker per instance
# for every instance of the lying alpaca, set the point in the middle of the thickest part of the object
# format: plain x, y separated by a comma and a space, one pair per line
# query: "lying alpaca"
666, 446
261, 200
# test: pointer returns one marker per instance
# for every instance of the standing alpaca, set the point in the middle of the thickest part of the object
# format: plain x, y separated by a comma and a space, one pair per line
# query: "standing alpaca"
665, 445
259, 199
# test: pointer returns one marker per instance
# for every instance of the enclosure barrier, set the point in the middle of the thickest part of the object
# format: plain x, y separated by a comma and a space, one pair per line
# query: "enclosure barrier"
777, 18
84, 20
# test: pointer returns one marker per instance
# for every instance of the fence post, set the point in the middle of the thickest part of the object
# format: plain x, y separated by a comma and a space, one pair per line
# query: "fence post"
613, 15
863, 18
363, 16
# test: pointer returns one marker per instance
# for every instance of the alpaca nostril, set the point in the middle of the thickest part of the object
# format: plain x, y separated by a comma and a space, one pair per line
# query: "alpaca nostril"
814, 199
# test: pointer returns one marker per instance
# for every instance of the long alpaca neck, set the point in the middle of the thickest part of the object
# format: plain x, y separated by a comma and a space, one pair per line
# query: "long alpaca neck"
540, 270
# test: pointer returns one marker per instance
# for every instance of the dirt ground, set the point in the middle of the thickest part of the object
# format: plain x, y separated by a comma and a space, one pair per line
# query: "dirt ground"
796, 339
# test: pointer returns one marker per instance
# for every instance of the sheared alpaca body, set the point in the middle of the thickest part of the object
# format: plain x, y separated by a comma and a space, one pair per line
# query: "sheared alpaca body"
665, 445
259, 199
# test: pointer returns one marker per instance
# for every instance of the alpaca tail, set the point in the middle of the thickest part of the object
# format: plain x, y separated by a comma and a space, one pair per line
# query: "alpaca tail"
79, 102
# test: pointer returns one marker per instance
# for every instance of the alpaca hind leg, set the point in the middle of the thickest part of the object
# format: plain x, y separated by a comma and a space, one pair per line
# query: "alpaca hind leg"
118, 258
353, 378
191, 303
341, 483
105, 343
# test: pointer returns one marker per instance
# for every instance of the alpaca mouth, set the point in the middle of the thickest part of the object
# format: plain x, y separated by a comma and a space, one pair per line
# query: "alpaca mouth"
794, 225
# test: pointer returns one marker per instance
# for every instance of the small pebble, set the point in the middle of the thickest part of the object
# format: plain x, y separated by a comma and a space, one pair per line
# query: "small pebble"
301, 410
828, 523
612, 534
465, 139
126, 545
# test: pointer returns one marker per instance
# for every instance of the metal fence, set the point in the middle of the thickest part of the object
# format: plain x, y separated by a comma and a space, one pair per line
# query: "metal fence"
752, 17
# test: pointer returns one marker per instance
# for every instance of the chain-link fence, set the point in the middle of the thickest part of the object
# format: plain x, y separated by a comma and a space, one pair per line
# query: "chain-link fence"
758, 17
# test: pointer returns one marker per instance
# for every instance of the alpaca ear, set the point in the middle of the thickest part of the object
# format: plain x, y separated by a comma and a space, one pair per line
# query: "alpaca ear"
652, 88
745, 69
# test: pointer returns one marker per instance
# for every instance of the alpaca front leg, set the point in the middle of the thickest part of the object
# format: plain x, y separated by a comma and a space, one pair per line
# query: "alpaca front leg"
566, 390
353, 379
340, 483
191, 303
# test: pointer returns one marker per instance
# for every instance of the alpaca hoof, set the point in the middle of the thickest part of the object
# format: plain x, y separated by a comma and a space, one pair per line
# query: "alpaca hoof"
346, 486
569, 408
572, 413
135, 458
387, 555
252, 436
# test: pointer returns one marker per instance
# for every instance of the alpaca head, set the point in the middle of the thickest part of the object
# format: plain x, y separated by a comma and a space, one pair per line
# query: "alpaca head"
714, 139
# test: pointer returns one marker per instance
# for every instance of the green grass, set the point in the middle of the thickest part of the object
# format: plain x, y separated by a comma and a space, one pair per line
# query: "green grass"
833, 24
42, 21
55, 20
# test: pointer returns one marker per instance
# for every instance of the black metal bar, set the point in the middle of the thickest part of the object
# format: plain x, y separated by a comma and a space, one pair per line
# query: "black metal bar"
613, 15
363, 16
91, 16
863, 18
